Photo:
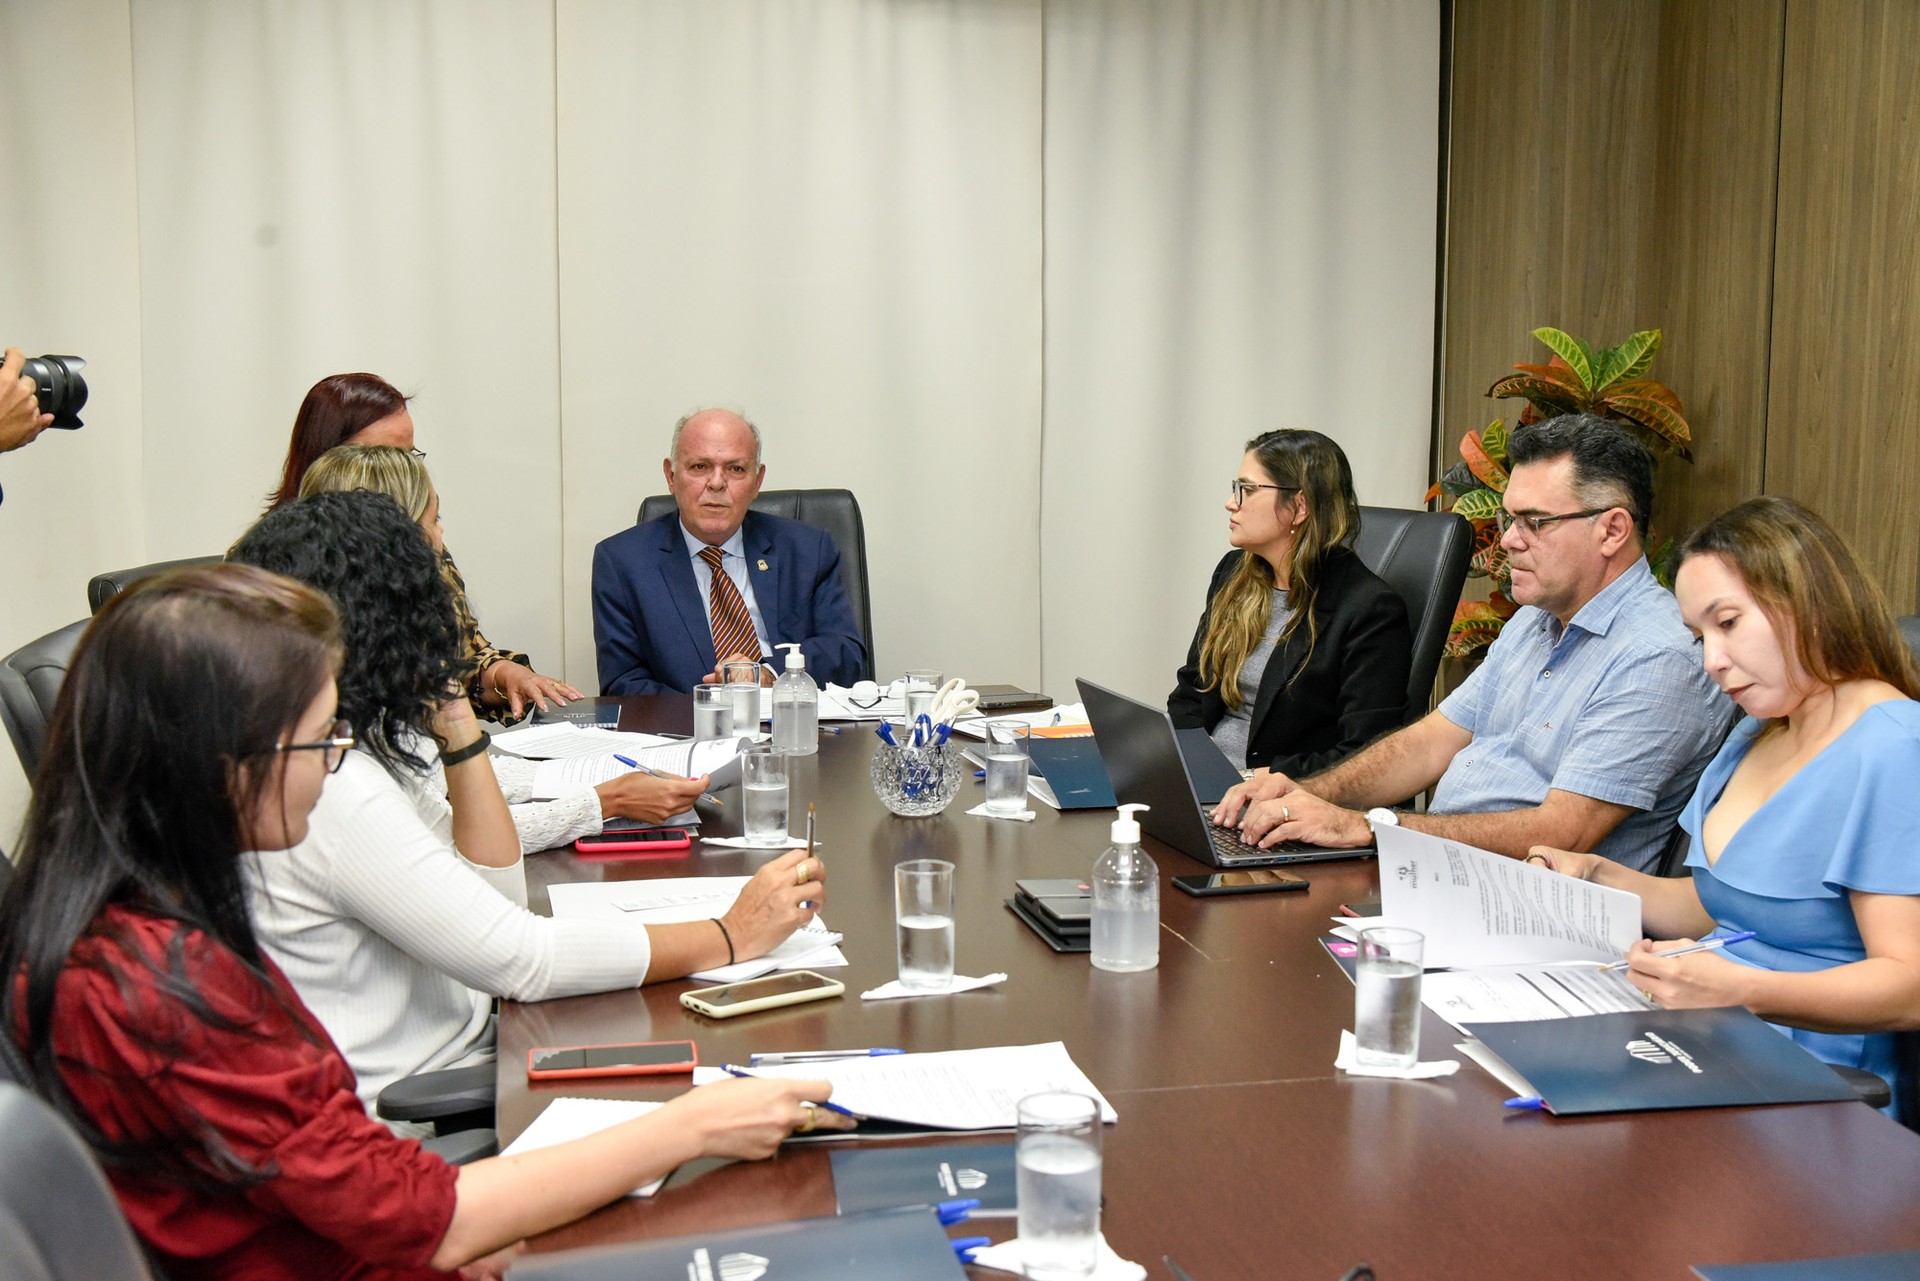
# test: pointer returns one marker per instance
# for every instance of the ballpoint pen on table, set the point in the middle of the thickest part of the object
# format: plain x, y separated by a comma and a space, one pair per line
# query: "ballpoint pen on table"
1180, 1273
630, 763
817, 1056
1711, 945
734, 1069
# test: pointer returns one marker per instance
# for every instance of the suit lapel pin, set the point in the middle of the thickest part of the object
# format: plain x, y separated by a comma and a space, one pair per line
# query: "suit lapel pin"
762, 563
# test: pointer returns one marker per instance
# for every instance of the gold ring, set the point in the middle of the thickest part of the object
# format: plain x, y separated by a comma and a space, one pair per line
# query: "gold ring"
1649, 996
1286, 815
800, 872
807, 1122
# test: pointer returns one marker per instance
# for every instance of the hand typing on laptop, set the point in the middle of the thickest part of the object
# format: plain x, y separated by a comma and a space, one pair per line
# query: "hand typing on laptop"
1299, 815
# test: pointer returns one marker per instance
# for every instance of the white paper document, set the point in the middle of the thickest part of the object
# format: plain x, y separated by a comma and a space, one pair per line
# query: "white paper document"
683, 758
947, 1090
568, 1119
672, 899
1478, 908
1063, 714
1522, 995
563, 739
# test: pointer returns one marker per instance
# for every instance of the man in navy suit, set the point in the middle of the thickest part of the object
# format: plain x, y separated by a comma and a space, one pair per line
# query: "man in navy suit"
657, 607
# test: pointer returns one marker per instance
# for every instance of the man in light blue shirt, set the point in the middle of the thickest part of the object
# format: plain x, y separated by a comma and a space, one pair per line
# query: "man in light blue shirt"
1591, 718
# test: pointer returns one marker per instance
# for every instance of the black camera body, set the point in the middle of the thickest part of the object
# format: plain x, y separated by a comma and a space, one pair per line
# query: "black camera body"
58, 387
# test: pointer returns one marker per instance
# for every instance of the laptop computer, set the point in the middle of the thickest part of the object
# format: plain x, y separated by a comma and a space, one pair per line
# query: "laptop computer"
1180, 775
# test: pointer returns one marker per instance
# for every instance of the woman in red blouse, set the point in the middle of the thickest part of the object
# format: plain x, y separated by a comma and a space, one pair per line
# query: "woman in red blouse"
197, 721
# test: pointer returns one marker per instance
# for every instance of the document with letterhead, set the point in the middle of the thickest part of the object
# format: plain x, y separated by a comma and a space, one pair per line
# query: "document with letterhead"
1478, 908
719, 757
673, 899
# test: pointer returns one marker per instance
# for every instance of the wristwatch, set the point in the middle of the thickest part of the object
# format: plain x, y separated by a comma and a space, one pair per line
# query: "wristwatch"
1381, 816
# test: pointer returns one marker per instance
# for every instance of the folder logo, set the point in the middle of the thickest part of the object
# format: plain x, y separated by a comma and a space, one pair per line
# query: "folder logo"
1648, 1052
732, 1267
973, 1180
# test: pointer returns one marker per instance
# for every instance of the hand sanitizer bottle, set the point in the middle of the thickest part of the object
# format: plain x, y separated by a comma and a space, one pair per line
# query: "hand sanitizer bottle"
796, 707
1126, 901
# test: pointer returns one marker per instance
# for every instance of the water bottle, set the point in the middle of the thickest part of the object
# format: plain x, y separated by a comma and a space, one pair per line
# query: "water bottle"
796, 707
1126, 901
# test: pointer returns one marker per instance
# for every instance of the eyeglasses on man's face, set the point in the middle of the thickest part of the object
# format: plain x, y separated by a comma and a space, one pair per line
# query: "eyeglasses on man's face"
1531, 525
1244, 489
335, 746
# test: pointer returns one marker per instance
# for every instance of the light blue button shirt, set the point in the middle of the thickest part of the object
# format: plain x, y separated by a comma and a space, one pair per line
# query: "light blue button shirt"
1615, 705
734, 560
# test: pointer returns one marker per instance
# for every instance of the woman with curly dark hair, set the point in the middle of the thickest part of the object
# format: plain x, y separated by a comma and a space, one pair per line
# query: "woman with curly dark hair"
403, 912
141, 1005
365, 409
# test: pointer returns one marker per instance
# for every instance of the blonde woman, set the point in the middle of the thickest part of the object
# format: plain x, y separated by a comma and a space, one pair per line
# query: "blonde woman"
401, 476
1301, 656
1804, 826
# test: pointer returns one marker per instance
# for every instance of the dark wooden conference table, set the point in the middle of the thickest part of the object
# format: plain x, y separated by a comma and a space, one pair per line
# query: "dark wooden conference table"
1239, 1151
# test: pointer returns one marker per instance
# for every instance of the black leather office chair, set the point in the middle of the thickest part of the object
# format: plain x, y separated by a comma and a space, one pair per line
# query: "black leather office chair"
834, 510
457, 1102
1423, 556
104, 587
1910, 632
30, 680
59, 1220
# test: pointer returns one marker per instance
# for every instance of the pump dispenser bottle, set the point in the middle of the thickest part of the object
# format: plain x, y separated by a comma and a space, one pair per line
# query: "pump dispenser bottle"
1126, 901
796, 707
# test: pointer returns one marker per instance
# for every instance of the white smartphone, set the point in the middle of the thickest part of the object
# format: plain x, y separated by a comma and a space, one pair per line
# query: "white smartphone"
791, 988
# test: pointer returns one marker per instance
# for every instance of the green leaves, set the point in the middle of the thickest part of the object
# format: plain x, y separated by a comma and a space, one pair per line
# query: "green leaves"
1477, 505
1628, 361
1578, 355
1493, 439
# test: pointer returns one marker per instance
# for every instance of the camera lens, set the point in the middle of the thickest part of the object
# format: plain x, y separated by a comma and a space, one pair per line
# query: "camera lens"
59, 387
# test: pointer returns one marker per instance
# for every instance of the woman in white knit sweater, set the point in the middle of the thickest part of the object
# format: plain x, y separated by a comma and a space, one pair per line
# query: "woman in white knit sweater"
403, 913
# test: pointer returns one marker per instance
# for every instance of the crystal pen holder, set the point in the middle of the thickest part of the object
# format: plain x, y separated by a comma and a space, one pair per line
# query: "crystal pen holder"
917, 781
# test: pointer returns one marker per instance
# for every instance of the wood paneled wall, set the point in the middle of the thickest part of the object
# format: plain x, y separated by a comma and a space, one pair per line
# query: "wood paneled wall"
1743, 175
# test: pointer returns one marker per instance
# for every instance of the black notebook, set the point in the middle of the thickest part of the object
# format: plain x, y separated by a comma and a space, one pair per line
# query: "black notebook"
1643, 1061
901, 1245
881, 1178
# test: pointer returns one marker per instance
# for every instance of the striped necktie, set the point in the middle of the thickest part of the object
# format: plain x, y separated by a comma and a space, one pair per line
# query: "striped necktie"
732, 625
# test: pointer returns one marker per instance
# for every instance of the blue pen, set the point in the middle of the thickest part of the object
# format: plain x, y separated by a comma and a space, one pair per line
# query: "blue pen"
885, 731
965, 1246
1527, 1102
734, 1069
952, 1212
630, 763
1711, 945
817, 1056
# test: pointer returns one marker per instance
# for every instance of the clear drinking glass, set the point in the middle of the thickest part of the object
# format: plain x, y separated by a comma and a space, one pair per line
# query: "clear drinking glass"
1057, 1169
743, 684
918, 688
923, 923
1386, 997
764, 787
712, 712
1008, 757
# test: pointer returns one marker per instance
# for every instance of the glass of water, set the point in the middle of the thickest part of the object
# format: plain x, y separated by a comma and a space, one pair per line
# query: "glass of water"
1386, 1009
743, 684
923, 923
1007, 761
1057, 1170
764, 784
712, 712
918, 688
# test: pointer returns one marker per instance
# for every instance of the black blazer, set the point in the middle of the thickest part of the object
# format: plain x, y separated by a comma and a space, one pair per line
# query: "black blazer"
1352, 689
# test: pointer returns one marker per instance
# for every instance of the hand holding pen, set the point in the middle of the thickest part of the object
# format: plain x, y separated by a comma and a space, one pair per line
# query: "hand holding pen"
650, 772
1671, 982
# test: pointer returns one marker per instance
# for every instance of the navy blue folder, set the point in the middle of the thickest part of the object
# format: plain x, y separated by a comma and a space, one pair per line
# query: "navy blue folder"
883, 1177
901, 1245
1899, 1265
1647, 1060
1075, 772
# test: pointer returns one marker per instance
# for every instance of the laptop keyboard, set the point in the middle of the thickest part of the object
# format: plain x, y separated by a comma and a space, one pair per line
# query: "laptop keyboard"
1228, 845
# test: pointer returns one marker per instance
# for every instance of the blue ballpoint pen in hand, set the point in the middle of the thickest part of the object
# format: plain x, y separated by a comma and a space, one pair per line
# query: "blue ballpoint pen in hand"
630, 763
734, 1069
1711, 945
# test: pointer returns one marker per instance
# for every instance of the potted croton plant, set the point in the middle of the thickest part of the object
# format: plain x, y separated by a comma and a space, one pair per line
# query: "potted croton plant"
1610, 383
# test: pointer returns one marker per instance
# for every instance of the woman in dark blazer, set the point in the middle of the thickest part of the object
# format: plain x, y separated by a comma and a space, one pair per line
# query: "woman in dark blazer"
1301, 656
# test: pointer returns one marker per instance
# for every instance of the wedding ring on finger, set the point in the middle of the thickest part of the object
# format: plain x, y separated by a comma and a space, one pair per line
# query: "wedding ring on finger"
800, 872
808, 1121
1286, 815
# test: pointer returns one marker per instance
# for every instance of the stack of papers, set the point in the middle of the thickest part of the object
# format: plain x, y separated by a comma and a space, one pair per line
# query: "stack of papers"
669, 900
1062, 720
562, 740
947, 1090
568, 1119
682, 757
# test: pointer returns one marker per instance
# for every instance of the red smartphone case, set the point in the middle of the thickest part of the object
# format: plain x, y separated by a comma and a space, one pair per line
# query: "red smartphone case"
671, 840
660, 1069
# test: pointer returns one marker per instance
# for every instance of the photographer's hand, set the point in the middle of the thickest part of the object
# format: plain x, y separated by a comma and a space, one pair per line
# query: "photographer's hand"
20, 418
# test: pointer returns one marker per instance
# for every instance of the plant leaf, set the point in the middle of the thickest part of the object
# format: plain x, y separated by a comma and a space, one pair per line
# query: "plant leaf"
1652, 390
1433, 492
1477, 505
1539, 392
1475, 624
1489, 473
1657, 418
1493, 439
1630, 359
1556, 371
1578, 356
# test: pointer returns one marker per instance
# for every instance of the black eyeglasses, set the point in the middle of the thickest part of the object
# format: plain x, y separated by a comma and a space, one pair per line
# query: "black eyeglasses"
1532, 525
336, 746
1242, 489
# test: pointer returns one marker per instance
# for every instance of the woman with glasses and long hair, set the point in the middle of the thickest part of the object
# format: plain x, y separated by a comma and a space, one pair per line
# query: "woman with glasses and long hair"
402, 913
365, 409
1804, 828
1302, 652
142, 1007
401, 476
